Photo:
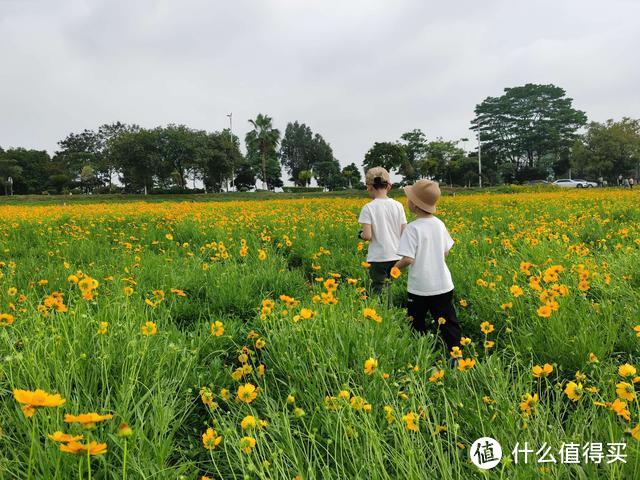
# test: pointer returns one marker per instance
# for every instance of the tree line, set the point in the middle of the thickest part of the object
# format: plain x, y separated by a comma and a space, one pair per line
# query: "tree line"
530, 132
172, 159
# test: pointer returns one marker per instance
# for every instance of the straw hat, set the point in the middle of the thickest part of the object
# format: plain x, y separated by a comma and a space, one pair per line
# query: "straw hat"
377, 172
424, 194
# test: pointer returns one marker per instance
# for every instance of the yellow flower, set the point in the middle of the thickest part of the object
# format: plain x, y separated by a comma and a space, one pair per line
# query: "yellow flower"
620, 408
395, 272
543, 371
247, 444
528, 404
92, 448
210, 439
466, 364
262, 255
247, 393
365, 264
65, 437
6, 319
372, 314
36, 399
248, 422
486, 328
464, 341
217, 328
128, 291
87, 420
637, 330
370, 366
102, 330
169, 237
516, 291
149, 329
625, 391
626, 370
463, 303
410, 421
593, 358
635, 432
573, 391
438, 375
544, 311
456, 352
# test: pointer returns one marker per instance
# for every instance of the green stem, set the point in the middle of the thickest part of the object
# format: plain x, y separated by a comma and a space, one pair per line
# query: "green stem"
88, 464
124, 461
88, 456
33, 442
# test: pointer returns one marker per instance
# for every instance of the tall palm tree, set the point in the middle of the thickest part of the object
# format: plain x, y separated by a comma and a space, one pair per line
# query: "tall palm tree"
263, 141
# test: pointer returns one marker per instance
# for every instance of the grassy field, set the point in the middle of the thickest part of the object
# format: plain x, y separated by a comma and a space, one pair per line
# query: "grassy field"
235, 340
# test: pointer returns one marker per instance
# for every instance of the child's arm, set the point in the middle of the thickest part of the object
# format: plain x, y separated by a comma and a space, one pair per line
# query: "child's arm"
367, 232
403, 262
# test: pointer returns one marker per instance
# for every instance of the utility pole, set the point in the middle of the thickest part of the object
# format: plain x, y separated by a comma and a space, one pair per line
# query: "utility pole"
233, 169
10, 182
479, 158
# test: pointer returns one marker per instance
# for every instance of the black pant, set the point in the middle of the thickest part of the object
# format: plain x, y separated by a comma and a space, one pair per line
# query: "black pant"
439, 306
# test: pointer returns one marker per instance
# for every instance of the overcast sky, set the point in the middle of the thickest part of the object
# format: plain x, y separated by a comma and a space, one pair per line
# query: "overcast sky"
354, 71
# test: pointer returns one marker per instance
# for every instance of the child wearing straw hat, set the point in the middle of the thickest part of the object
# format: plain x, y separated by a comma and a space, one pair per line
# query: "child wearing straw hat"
383, 220
423, 246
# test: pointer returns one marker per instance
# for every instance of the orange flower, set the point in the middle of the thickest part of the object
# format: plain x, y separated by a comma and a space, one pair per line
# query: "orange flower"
93, 448
544, 311
543, 371
217, 328
64, 437
395, 272
6, 319
38, 398
87, 420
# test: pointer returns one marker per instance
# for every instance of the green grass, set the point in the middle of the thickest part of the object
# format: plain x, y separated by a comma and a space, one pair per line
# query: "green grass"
153, 383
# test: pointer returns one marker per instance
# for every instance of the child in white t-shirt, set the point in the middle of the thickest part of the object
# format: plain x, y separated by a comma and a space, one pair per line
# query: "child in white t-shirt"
424, 245
383, 220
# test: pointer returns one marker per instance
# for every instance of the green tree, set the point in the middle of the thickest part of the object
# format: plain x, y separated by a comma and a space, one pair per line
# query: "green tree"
30, 169
218, 155
138, 160
352, 174
608, 149
262, 142
391, 156
296, 151
245, 178
527, 123
437, 158
416, 147
304, 178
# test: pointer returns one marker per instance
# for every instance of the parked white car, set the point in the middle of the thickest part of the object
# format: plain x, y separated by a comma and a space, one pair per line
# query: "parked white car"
574, 183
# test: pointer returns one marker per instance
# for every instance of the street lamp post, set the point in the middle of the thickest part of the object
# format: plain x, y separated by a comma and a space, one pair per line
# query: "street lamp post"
233, 170
479, 158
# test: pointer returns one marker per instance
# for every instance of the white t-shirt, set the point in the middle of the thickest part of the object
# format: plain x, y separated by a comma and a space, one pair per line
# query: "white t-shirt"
426, 240
386, 217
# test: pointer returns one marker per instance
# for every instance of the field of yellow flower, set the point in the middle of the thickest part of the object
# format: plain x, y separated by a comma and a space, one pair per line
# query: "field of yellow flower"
235, 340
